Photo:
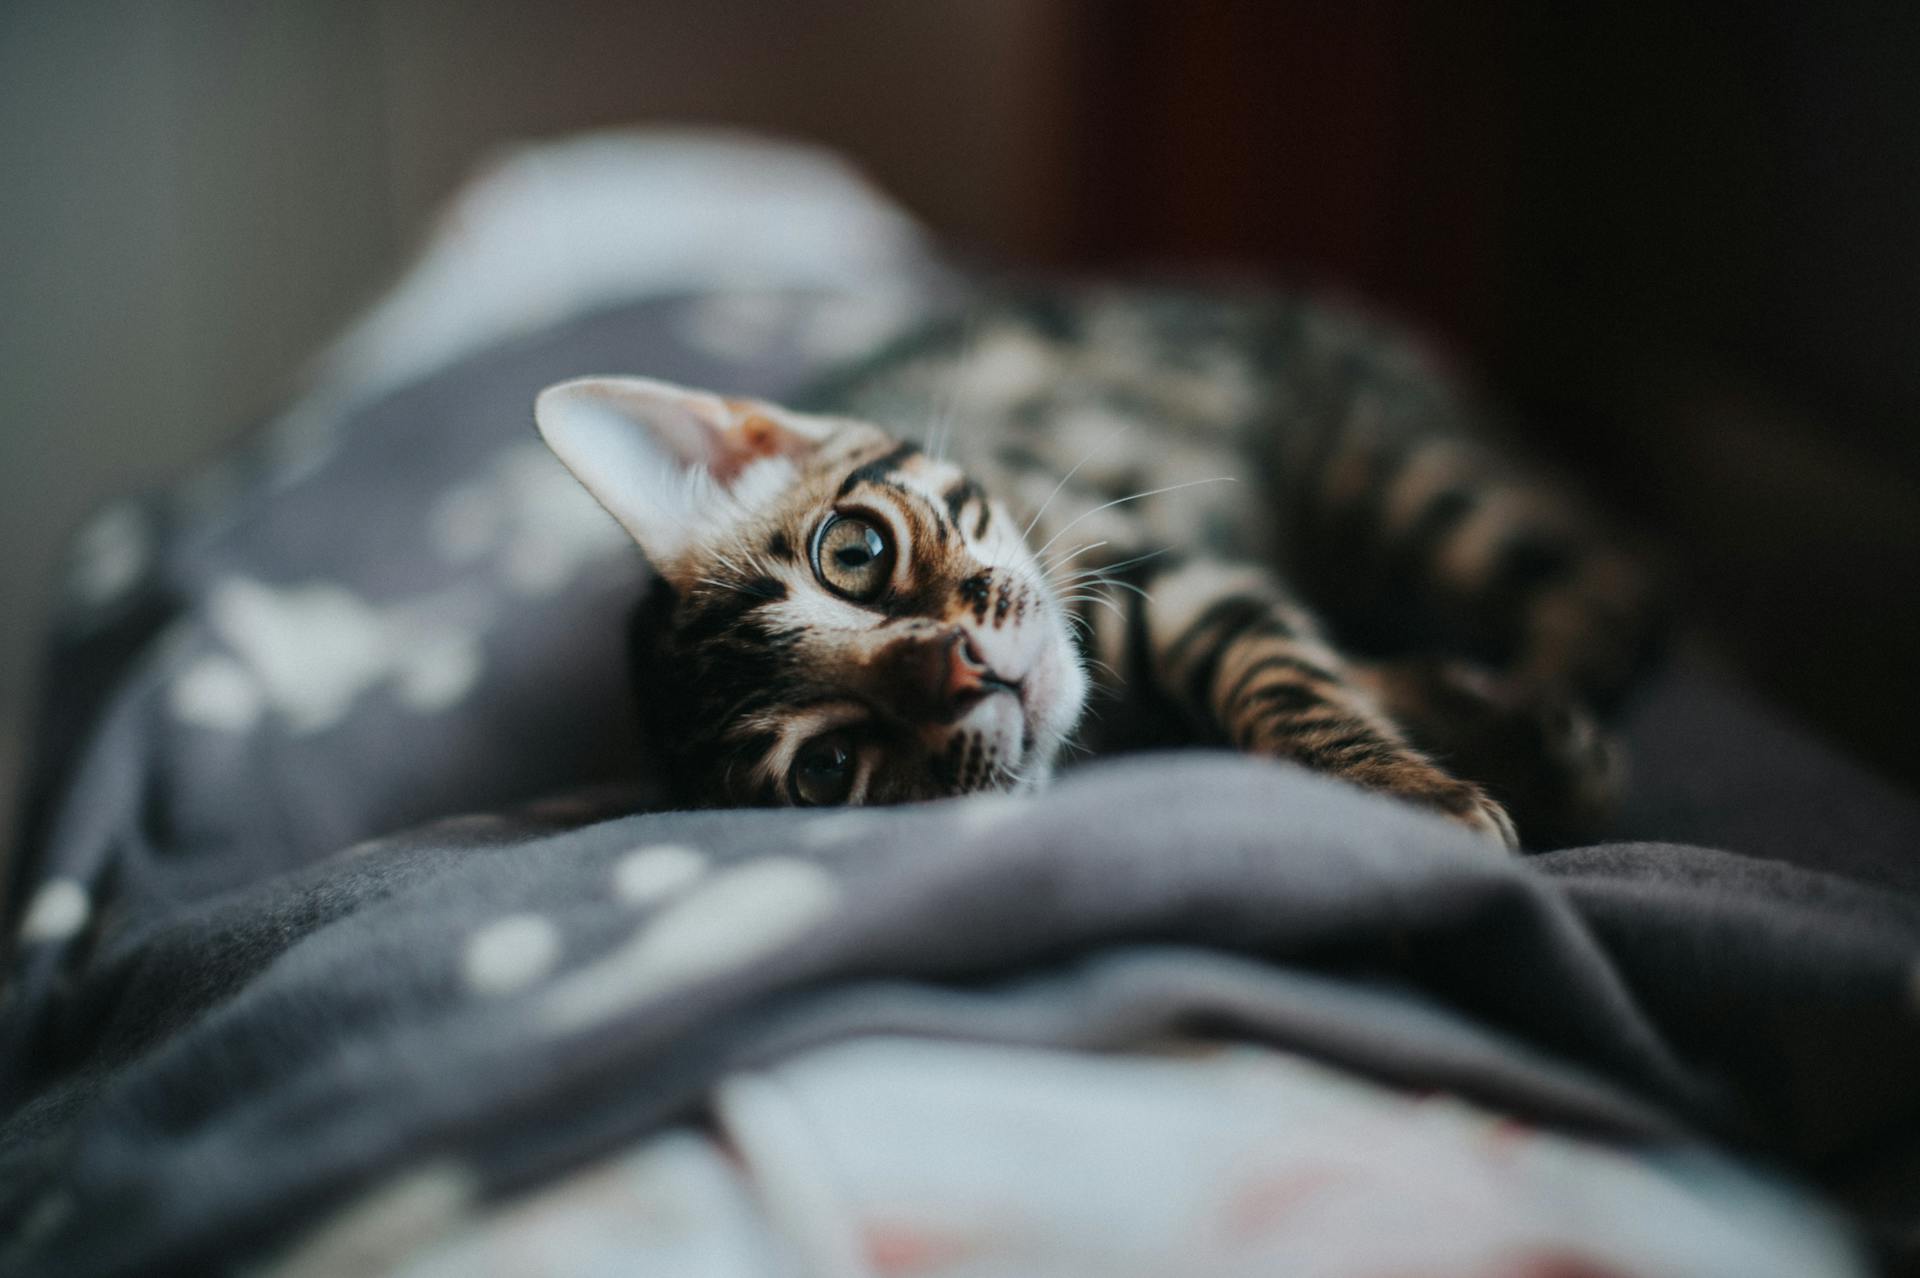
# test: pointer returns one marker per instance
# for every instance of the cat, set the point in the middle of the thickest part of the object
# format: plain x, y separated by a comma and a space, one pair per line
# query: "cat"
1133, 517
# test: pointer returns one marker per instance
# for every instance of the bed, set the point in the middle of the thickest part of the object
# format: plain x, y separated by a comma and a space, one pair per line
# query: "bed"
349, 936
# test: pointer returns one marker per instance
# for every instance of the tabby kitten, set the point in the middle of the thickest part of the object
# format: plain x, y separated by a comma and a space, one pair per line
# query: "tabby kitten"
1130, 493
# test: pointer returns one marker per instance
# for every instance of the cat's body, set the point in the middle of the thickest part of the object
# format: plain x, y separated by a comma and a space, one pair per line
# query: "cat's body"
1225, 503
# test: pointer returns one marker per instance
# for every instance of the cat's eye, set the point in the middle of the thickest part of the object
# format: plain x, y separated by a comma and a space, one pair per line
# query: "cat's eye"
853, 556
822, 772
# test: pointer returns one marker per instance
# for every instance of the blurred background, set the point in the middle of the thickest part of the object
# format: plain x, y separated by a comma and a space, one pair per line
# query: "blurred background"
1679, 238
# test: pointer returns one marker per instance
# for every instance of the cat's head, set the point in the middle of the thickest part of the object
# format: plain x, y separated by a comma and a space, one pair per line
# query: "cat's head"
838, 617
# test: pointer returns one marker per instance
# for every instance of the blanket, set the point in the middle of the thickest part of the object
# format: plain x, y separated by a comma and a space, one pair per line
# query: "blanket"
336, 866
519, 993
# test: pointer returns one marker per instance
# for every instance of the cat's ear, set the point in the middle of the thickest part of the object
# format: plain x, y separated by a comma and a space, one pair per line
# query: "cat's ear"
665, 461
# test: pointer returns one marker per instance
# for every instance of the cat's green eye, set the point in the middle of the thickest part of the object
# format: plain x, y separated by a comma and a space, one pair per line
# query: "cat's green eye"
822, 771
853, 556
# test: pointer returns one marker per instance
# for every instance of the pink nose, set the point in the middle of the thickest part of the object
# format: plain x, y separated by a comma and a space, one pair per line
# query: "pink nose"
936, 677
968, 675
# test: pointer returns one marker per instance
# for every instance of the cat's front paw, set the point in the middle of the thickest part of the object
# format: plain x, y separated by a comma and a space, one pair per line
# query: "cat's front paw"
1544, 754
1420, 783
1486, 817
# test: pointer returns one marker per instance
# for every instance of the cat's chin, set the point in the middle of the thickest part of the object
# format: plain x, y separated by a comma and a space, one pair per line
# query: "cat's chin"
1023, 731
1052, 696
1009, 739
990, 746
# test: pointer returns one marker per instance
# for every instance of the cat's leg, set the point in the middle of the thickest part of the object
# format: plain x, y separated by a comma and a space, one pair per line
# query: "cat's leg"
1544, 756
1247, 665
1426, 542
1523, 613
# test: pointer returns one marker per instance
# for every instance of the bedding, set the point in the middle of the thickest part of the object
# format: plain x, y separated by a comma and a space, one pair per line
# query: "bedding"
510, 995
344, 930
892, 1155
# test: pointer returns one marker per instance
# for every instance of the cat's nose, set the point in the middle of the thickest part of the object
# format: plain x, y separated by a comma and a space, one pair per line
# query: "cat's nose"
938, 676
968, 676
964, 675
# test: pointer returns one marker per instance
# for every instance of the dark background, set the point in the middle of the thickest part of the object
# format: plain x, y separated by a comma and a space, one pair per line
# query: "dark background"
1683, 239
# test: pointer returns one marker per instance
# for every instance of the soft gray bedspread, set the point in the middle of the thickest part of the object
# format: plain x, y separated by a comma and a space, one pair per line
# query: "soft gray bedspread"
219, 1022
522, 997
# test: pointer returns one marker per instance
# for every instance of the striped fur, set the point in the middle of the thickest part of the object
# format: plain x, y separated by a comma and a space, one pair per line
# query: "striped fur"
744, 654
1153, 487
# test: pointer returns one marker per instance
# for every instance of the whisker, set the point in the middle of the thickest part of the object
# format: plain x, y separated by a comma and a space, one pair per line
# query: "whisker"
1120, 585
1108, 439
1055, 565
940, 432
1151, 492
1099, 599
1116, 567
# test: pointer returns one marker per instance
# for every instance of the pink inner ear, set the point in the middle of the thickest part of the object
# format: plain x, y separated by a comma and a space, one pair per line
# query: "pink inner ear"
752, 435
759, 436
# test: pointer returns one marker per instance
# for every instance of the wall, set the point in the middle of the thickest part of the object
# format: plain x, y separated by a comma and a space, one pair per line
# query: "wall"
196, 193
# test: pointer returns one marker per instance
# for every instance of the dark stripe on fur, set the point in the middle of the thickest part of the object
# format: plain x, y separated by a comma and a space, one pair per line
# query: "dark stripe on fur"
1230, 620
957, 497
703, 623
879, 469
1285, 699
1360, 746
1277, 662
1233, 611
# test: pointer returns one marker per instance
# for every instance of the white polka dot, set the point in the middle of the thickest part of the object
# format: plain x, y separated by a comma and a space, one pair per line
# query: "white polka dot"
511, 953
465, 523
110, 554
654, 873
216, 692
58, 910
557, 530
537, 567
313, 650
441, 677
738, 915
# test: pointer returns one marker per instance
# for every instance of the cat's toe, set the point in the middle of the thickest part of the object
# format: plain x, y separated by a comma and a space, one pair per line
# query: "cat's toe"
1418, 782
1487, 818
1462, 802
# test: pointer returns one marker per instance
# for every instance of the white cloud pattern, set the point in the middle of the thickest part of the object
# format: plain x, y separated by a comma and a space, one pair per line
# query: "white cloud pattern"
307, 653
732, 918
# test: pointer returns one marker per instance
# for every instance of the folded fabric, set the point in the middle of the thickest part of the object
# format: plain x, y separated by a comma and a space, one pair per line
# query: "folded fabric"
898, 1156
520, 999
220, 1028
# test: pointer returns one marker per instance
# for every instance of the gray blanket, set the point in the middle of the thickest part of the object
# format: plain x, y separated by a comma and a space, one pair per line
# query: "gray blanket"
222, 1017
